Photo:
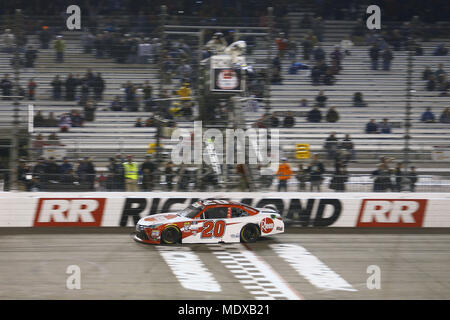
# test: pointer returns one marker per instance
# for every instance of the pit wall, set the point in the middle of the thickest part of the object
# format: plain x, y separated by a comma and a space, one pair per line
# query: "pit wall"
114, 209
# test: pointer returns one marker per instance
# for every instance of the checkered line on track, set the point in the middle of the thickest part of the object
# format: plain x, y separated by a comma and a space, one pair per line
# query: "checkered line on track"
253, 273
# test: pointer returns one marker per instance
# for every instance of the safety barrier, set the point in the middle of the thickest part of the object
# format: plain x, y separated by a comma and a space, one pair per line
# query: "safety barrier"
298, 209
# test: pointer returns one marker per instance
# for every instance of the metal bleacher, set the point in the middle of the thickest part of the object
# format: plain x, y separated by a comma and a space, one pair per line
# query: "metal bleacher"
384, 92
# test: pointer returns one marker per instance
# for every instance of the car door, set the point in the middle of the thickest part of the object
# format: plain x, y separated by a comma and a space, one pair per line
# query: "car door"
214, 224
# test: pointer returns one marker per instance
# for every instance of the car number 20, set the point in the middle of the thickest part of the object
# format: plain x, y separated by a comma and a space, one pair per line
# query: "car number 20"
213, 229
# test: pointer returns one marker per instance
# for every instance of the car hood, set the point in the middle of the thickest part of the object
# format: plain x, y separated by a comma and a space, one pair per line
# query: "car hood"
170, 217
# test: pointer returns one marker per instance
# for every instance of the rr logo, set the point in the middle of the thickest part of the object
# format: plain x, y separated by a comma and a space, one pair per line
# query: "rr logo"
73, 22
374, 21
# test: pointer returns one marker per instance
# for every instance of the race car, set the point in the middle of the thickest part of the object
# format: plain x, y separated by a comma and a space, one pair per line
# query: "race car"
210, 221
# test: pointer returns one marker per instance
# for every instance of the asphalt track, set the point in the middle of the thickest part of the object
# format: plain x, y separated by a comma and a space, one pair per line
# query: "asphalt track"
300, 264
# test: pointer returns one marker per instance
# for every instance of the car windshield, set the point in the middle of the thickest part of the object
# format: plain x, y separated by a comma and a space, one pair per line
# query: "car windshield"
191, 211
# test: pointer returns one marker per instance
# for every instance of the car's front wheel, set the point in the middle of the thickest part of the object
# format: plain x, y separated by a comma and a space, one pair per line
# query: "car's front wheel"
249, 233
171, 235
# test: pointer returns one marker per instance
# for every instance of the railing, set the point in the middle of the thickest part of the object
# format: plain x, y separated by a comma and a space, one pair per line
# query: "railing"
193, 180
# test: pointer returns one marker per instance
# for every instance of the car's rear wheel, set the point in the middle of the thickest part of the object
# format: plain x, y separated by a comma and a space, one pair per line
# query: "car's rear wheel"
249, 233
171, 235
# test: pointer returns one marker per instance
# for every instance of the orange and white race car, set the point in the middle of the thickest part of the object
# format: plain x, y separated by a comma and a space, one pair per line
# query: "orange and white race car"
210, 221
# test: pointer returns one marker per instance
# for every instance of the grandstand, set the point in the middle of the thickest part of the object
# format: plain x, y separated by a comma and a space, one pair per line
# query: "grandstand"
113, 132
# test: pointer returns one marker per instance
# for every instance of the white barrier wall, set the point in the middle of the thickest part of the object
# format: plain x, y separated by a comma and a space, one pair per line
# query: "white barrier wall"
305, 209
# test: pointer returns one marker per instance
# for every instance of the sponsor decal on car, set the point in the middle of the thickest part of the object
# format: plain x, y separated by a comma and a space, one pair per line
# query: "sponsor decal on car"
187, 226
73, 212
267, 225
392, 213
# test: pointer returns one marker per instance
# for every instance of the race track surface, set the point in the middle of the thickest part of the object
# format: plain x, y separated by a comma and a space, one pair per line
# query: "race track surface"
300, 264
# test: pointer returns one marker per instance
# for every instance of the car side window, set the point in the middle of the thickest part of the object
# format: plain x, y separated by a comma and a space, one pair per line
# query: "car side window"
238, 212
216, 213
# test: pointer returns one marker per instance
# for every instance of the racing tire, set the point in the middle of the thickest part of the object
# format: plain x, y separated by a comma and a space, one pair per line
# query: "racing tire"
250, 233
171, 235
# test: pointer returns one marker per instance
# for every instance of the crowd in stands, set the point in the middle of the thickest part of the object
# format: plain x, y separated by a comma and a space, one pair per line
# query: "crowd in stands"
436, 80
388, 179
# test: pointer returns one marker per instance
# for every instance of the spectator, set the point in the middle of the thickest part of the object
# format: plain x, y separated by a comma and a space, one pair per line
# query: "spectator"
65, 122
89, 111
318, 28
8, 40
302, 177
308, 43
385, 126
374, 53
30, 57
319, 53
346, 45
66, 167
53, 139
71, 85
304, 103
138, 123
45, 37
282, 44
276, 76
31, 89
332, 115
382, 178
440, 50
336, 56
116, 179
59, 46
329, 78
131, 174
348, 148
38, 145
443, 85
440, 71
445, 116
169, 173
428, 116
315, 75
99, 86
321, 99
23, 176
358, 100
6, 86
431, 83
38, 119
148, 169
387, 58
289, 120
274, 122
398, 177
426, 73
86, 173
331, 144
314, 115
316, 170
57, 87
284, 173
39, 170
371, 127
116, 104
412, 176
51, 121
52, 171
339, 179
76, 119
